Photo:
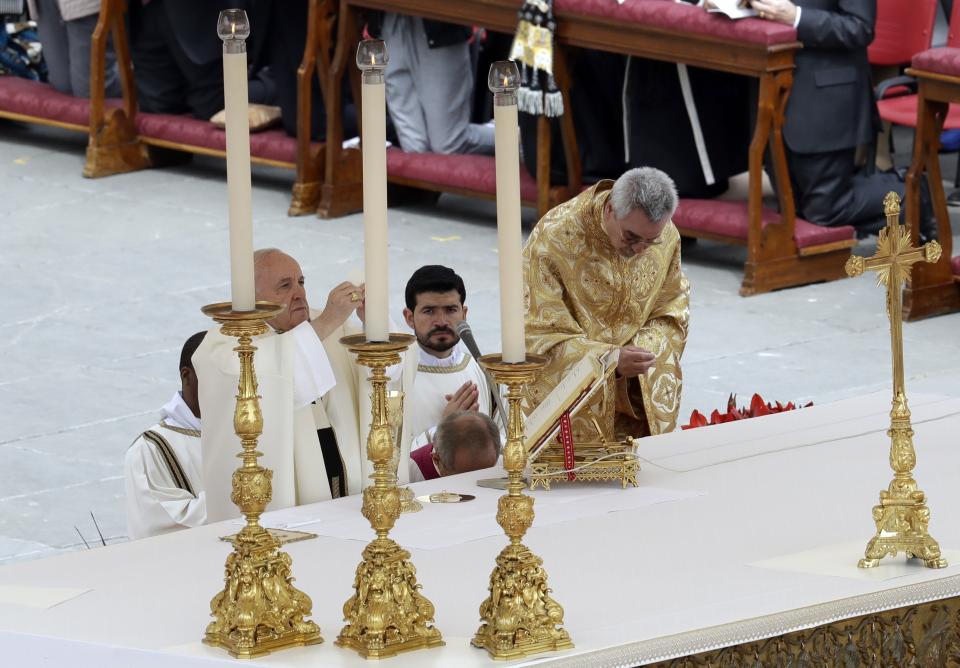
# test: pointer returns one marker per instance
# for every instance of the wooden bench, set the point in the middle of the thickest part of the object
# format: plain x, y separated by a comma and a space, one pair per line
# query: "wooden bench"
934, 288
782, 250
120, 136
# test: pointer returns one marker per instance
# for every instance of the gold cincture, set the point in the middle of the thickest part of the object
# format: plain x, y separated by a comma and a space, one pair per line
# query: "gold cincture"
902, 515
519, 617
259, 610
387, 614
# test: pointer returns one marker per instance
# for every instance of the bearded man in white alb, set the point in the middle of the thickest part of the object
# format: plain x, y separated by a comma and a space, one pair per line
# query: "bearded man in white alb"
447, 379
308, 398
161, 470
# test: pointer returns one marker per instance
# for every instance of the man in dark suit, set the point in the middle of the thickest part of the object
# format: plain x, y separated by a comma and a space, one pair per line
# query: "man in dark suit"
177, 54
832, 111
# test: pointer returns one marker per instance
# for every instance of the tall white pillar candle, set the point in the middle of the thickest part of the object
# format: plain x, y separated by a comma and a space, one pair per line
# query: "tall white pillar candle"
503, 81
234, 29
372, 60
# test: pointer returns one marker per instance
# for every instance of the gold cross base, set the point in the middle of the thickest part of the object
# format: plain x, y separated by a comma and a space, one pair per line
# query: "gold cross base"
259, 610
519, 617
902, 527
387, 614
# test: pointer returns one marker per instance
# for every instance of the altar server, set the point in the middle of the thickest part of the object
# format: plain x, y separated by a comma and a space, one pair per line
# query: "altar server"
602, 272
447, 379
310, 434
161, 470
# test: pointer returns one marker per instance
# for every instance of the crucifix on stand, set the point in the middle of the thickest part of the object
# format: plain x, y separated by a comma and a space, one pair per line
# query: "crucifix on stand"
902, 515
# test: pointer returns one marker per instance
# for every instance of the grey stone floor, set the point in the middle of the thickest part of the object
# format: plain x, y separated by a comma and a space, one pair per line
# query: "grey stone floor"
102, 280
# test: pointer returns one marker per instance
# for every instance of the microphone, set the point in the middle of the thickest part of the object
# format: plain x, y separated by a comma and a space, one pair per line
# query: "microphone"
466, 335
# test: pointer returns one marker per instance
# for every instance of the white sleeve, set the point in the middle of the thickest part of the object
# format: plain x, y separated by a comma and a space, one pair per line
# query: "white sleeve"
312, 374
154, 503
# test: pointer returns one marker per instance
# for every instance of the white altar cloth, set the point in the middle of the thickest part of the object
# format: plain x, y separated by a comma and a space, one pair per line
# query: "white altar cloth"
638, 585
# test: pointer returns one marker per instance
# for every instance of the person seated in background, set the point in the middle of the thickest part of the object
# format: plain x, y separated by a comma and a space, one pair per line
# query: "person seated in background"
162, 468
831, 112
464, 441
178, 57
66, 28
429, 85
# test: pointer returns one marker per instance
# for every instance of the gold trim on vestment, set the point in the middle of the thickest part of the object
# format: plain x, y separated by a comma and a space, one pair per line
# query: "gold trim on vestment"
426, 368
180, 430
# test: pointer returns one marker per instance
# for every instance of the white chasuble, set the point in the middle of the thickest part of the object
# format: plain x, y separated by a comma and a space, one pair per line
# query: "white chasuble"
162, 475
293, 372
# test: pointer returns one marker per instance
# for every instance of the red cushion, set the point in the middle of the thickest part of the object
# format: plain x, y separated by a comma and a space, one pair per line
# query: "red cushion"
471, 172
942, 60
40, 100
955, 264
270, 145
680, 17
903, 111
730, 219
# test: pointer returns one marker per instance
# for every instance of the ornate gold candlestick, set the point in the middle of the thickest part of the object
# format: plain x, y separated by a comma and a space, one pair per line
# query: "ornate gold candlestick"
387, 614
519, 617
259, 610
902, 515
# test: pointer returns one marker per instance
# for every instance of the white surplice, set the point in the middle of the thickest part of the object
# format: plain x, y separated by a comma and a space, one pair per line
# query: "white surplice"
162, 475
424, 404
304, 385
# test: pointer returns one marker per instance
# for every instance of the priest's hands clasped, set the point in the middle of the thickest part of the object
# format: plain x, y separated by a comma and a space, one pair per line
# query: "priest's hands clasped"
466, 398
634, 362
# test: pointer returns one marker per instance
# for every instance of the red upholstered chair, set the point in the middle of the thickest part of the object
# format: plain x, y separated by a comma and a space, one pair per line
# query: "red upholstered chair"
895, 101
903, 28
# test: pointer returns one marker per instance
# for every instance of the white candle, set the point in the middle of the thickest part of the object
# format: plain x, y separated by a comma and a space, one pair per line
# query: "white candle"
503, 80
371, 57
234, 29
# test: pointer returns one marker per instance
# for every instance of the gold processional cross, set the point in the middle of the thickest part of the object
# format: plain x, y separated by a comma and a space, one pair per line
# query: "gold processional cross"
902, 515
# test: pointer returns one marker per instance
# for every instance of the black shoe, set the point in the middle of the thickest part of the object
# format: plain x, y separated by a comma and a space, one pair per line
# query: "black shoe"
953, 199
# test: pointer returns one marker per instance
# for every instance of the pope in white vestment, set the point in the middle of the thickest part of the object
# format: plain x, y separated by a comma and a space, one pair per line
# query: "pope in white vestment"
305, 392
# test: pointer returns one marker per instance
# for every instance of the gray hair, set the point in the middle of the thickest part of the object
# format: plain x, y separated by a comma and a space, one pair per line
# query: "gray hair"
647, 189
262, 254
464, 429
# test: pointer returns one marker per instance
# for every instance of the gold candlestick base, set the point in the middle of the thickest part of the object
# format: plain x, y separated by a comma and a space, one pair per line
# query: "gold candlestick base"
408, 501
519, 617
902, 516
259, 610
387, 614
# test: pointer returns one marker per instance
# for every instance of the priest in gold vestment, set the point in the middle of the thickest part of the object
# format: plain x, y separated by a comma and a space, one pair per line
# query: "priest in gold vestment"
602, 272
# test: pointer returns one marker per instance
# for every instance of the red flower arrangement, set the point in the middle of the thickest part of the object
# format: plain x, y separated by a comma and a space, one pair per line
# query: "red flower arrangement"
756, 408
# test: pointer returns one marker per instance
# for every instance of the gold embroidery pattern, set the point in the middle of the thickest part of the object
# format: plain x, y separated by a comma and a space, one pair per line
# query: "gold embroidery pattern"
180, 430
584, 298
457, 368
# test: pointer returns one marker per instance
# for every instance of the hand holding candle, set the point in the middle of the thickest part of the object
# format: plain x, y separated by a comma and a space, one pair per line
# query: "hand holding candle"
233, 28
372, 60
503, 80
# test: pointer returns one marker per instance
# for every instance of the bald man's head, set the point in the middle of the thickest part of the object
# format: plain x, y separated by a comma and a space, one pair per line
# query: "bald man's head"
465, 441
278, 279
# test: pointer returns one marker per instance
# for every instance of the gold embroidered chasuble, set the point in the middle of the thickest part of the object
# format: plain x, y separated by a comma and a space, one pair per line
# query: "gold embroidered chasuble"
584, 298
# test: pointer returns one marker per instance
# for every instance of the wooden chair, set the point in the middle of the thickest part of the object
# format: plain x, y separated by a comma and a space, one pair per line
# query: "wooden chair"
934, 288
782, 250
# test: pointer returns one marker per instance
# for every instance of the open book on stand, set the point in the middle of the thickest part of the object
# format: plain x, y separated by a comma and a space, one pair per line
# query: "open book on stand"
553, 454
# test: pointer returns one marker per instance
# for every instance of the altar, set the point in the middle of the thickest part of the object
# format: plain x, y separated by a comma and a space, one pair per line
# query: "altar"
738, 533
